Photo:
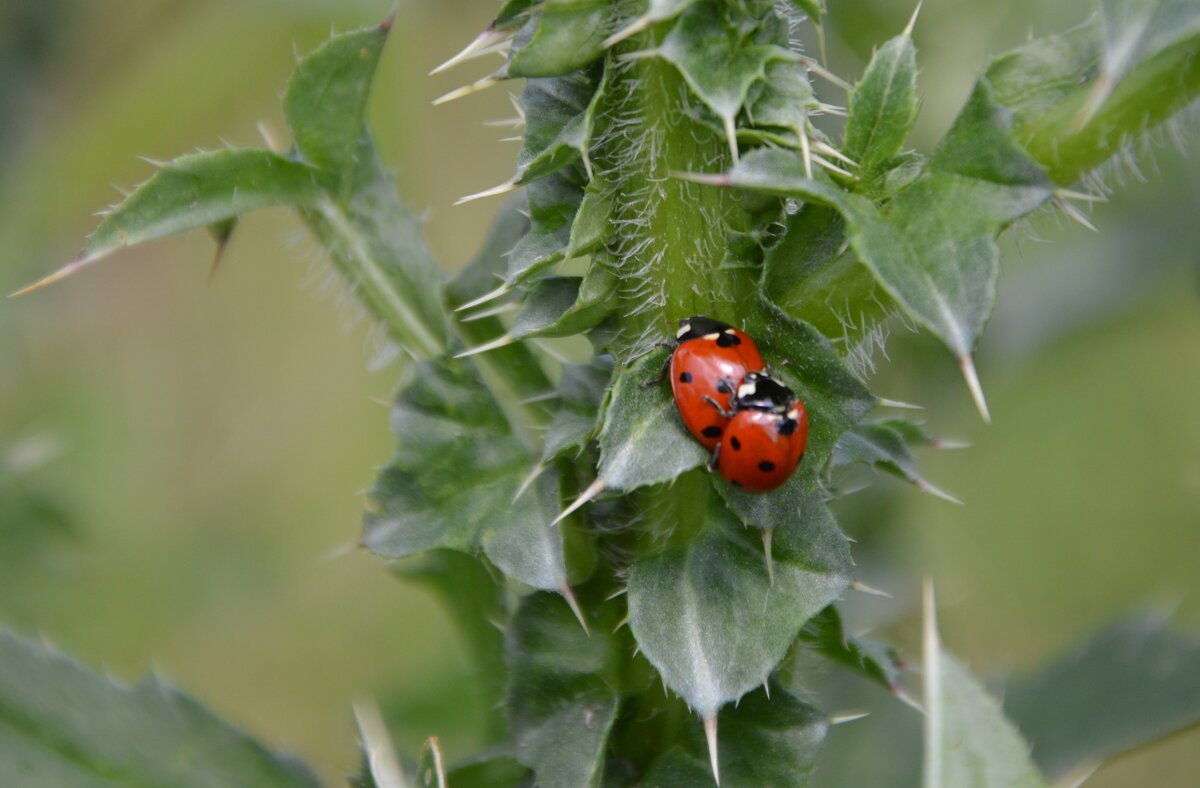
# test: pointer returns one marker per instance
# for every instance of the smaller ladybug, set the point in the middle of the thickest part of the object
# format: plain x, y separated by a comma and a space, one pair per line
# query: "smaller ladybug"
708, 364
765, 437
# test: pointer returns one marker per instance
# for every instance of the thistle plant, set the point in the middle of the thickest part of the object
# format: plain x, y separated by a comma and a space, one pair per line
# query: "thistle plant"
637, 620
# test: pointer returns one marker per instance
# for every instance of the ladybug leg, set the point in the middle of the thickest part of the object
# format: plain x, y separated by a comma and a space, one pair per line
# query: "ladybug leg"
726, 413
716, 457
661, 376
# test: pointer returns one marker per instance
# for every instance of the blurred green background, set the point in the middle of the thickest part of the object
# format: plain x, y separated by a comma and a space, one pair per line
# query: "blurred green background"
181, 462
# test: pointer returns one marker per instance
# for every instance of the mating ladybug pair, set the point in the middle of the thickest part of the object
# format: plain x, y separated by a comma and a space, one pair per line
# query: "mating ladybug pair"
754, 425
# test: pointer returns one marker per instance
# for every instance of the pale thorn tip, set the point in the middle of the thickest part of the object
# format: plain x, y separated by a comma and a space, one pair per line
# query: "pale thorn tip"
623, 622
855, 585
815, 67
573, 603
936, 492
806, 153
849, 716
503, 188
710, 734
831, 166
766, 538
483, 299
1076, 215
895, 403
912, 22
967, 364
533, 475
69, 269
382, 760
617, 593
632, 29
545, 396
1068, 194
767, 687
593, 489
485, 39
835, 153
900, 694
949, 443
482, 314
731, 136
157, 163
268, 137
466, 90
706, 178
501, 341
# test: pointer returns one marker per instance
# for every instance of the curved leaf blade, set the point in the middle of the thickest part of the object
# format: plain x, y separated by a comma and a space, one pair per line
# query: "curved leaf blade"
61, 724
882, 109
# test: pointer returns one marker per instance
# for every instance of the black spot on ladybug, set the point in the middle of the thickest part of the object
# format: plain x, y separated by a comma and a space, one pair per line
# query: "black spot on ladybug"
726, 339
786, 427
735, 482
766, 466
711, 431
735, 443
725, 386
685, 377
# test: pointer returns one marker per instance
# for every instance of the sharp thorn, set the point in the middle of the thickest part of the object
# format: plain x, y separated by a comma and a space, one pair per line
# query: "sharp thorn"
1067, 194
831, 166
154, 162
708, 179
948, 443
492, 312
967, 364
866, 589
912, 20
766, 538
593, 489
936, 492
710, 734
545, 396
269, 138
573, 603
532, 477
496, 343
381, 754
767, 687
482, 41
69, 269
503, 188
835, 153
483, 299
466, 90
1075, 214
731, 136
895, 403
850, 716
814, 66
806, 153
632, 29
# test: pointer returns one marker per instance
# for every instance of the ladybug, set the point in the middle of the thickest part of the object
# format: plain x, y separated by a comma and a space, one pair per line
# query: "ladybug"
766, 435
708, 364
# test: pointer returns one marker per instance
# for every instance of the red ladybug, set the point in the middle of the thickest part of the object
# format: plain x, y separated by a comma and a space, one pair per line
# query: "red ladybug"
706, 368
766, 435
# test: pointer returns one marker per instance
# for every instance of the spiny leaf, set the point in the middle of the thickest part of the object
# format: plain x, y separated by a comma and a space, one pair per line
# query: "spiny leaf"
882, 109
1078, 98
718, 65
770, 742
197, 190
562, 698
553, 204
576, 419
643, 441
782, 100
326, 98
561, 37
63, 725
558, 124
885, 444
873, 660
1130, 685
656, 11
562, 306
452, 481
968, 740
706, 614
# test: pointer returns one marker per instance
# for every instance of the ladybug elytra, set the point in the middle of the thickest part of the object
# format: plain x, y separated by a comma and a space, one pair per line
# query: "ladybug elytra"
765, 438
707, 366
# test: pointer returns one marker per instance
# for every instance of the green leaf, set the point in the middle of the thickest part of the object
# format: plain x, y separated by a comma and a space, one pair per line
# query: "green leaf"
326, 98
61, 725
811, 8
453, 478
554, 202
562, 700
764, 741
882, 109
197, 190
581, 394
782, 100
709, 618
559, 113
1132, 684
564, 36
885, 444
871, 659
562, 306
968, 740
718, 64
643, 441
1076, 99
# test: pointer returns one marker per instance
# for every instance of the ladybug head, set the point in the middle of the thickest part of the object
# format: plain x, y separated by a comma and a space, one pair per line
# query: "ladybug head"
699, 326
760, 391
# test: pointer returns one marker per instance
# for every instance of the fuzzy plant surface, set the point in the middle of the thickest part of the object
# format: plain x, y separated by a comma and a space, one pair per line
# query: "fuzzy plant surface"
676, 162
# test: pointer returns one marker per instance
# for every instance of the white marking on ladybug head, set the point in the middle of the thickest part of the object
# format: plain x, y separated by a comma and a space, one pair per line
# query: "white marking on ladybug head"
794, 414
747, 390
684, 328
714, 336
